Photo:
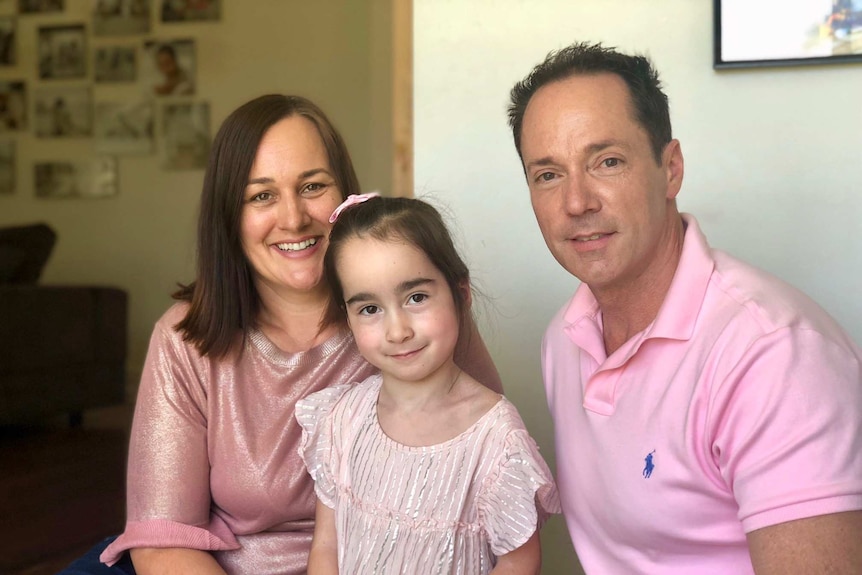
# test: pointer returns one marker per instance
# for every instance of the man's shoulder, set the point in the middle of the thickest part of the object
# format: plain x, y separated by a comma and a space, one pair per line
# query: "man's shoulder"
740, 289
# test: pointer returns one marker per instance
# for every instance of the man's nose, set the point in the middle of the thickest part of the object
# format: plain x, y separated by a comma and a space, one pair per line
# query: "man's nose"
579, 197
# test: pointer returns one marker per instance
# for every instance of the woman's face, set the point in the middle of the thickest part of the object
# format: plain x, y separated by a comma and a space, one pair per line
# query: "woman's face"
288, 199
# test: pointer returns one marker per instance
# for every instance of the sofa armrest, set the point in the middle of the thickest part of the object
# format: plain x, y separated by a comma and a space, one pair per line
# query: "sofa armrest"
42, 327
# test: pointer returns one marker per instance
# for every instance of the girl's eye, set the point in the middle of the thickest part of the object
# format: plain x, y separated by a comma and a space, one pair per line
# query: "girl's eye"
417, 298
369, 310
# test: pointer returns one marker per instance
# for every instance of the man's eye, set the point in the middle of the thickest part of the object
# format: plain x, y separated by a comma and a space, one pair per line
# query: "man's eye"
546, 176
611, 162
369, 310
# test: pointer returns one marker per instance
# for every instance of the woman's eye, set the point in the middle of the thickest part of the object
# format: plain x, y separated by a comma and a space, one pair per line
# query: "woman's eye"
261, 197
369, 310
313, 188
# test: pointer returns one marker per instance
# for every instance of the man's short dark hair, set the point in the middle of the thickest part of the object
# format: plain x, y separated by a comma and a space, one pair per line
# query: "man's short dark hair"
649, 101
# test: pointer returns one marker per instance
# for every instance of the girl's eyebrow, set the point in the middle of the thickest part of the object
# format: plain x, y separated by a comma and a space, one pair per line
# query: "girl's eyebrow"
404, 286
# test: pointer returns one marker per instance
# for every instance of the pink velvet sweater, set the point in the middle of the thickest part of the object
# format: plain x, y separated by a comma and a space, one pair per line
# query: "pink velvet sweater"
213, 457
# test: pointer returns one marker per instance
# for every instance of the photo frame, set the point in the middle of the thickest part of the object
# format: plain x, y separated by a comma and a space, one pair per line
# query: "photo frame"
13, 106
62, 52
123, 127
8, 40
40, 6
190, 10
186, 132
121, 17
7, 167
62, 113
57, 180
115, 64
752, 33
168, 66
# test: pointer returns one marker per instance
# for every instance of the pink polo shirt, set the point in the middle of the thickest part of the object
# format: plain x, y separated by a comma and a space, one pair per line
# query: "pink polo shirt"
739, 407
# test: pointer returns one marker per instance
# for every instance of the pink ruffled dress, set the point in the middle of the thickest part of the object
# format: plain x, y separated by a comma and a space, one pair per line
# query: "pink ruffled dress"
448, 508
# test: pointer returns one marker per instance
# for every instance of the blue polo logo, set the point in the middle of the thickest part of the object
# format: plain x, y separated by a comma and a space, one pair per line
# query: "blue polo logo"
649, 464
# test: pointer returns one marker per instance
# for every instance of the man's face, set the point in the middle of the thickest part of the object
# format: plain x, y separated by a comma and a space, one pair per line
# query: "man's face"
604, 205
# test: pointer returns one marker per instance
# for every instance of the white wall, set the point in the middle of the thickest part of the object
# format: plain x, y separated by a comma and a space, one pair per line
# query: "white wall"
773, 165
336, 53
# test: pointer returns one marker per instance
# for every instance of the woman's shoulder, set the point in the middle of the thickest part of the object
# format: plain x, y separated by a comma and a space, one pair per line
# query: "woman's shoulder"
173, 315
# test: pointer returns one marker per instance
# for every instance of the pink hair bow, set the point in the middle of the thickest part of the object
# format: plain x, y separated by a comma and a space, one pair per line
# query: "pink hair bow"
351, 200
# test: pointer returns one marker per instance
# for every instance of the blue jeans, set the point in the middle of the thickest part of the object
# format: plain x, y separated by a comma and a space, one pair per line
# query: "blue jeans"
89, 564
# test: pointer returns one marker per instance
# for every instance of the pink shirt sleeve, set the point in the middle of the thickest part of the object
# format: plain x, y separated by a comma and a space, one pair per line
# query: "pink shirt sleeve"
168, 489
787, 429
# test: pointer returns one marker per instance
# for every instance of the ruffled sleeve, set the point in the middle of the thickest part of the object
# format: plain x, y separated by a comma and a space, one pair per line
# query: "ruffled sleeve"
520, 494
318, 449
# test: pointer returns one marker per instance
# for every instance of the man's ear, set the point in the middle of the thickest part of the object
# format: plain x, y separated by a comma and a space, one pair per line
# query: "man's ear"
674, 166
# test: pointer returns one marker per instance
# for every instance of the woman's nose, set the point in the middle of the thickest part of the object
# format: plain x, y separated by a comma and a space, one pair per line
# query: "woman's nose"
291, 213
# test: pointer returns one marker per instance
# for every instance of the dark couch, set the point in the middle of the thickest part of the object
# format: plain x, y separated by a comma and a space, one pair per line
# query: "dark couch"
62, 348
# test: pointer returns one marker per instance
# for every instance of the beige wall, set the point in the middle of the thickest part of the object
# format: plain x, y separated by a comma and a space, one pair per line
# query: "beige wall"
337, 52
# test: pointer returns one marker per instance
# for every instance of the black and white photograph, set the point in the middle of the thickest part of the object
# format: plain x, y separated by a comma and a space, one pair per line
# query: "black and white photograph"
8, 26
114, 64
169, 67
38, 6
57, 179
62, 113
121, 17
124, 128
105, 180
84, 179
13, 107
191, 10
7, 167
62, 52
185, 129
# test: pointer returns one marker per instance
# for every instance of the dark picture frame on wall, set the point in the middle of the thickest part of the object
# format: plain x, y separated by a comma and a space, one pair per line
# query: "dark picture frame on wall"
62, 52
8, 40
761, 33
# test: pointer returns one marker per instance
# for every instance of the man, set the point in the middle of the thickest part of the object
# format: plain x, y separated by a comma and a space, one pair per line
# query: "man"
708, 417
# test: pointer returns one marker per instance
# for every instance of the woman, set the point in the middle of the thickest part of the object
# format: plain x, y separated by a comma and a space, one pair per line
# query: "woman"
215, 482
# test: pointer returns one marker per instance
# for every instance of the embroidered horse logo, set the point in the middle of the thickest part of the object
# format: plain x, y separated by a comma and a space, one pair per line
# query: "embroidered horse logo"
649, 465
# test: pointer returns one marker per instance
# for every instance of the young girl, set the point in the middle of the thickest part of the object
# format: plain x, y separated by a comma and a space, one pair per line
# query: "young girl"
421, 469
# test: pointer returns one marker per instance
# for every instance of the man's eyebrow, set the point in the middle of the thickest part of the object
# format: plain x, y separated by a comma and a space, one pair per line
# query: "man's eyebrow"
590, 149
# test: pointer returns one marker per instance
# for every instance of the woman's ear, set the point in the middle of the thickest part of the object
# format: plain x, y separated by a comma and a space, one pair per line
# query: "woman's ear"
467, 293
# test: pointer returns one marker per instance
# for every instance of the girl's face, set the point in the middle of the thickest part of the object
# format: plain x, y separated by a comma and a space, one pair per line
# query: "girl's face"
399, 307
286, 206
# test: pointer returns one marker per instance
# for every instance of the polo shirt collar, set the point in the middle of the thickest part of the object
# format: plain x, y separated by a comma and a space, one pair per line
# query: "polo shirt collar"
677, 315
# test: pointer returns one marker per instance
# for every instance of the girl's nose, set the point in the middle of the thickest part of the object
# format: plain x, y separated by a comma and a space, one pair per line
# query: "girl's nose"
398, 328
